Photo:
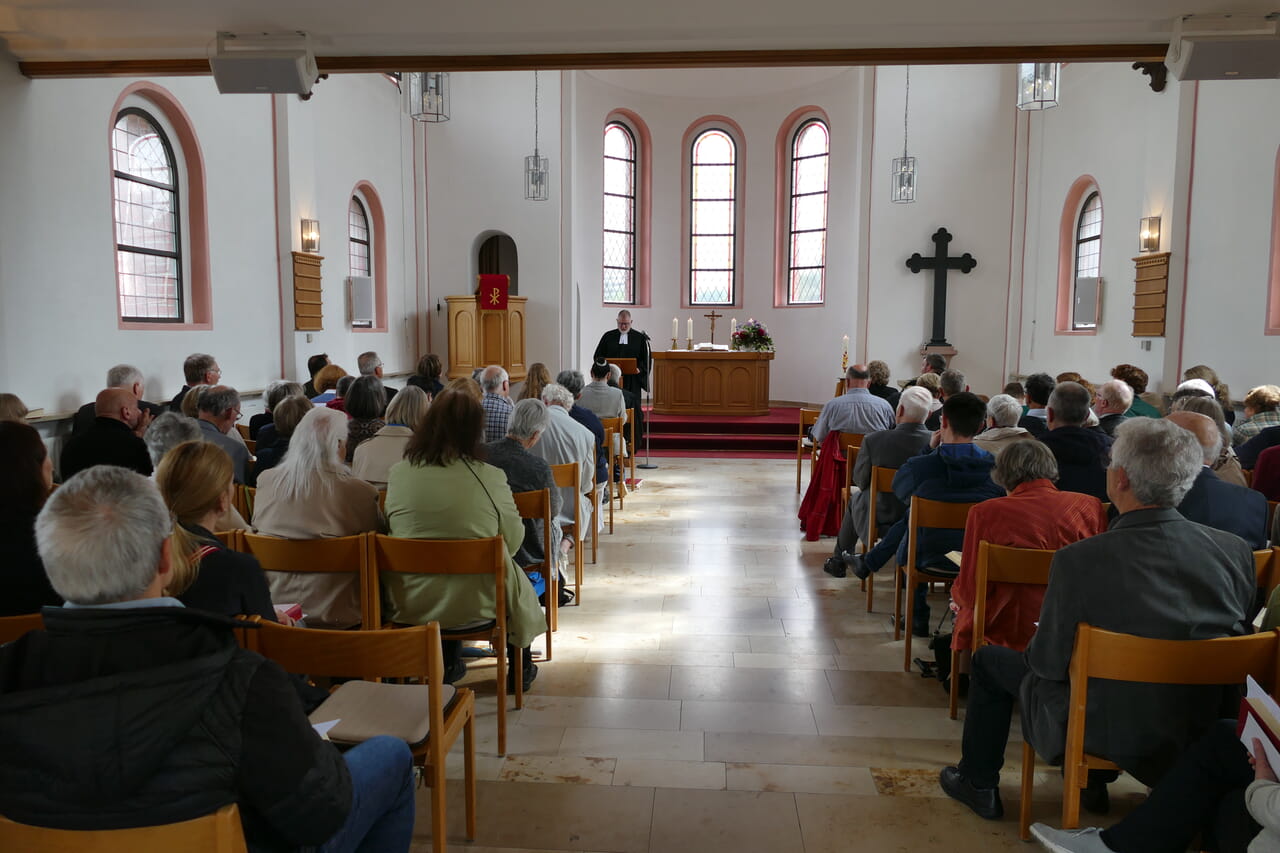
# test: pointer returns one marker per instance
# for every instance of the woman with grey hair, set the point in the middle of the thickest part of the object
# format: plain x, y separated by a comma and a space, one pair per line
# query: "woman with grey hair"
1003, 413
167, 432
375, 456
1035, 514
277, 392
1227, 466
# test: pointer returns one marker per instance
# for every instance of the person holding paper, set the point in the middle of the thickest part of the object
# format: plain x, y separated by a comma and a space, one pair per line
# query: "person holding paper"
626, 342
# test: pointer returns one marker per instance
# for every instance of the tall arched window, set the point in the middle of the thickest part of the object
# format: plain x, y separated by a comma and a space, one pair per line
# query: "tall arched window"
148, 236
713, 218
358, 238
1088, 254
619, 214
807, 231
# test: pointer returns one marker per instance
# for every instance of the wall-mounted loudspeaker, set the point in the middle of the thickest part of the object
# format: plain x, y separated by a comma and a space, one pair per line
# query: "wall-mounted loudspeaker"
262, 64
1225, 47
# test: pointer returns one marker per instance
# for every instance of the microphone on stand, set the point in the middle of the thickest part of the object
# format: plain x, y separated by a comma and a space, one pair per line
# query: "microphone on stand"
648, 421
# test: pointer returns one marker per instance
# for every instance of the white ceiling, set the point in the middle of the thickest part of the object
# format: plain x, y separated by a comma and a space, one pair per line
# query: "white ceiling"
151, 29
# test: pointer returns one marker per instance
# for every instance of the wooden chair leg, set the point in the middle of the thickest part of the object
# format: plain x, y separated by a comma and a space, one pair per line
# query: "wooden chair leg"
897, 603
1074, 778
955, 683
438, 791
1028, 784
909, 615
871, 591
500, 646
577, 569
519, 679
612, 487
553, 601
469, 772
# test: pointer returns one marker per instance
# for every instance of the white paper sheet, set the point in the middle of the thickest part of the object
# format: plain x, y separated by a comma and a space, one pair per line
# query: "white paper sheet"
322, 729
1252, 729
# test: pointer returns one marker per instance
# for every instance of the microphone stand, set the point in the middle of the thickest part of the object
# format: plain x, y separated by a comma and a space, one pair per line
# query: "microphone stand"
648, 421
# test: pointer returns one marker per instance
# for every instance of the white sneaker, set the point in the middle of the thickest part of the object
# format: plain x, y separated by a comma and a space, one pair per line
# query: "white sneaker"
1087, 840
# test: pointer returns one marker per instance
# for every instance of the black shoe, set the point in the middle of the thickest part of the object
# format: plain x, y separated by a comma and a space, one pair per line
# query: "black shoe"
857, 564
834, 566
1094, 798
985, 802
456, 672
530, 673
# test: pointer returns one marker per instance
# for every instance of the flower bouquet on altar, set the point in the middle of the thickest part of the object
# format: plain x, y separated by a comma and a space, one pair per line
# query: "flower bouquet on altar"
752, 336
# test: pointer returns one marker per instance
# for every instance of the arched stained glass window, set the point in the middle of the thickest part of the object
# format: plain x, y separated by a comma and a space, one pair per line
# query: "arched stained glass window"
807, 234
358, 238
1084, 313
148, 241
619, 214
713, 219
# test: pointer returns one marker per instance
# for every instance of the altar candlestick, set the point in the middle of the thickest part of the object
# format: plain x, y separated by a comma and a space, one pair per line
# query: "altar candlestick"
733, 327
844, 358
690, 335
675, 328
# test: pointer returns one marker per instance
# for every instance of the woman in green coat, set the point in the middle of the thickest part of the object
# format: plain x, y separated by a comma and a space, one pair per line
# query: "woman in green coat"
443, 490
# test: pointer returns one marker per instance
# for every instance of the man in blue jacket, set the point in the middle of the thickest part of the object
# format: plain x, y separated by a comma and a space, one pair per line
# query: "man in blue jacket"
953, 470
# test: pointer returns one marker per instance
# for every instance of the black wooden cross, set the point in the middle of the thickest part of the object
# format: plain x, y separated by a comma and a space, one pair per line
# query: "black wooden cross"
940, 263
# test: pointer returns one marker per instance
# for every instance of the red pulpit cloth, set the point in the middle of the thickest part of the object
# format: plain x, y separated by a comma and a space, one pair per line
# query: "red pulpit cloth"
491, 295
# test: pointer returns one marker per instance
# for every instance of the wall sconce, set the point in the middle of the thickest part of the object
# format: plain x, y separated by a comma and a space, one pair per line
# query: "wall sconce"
311, 236
1149, 235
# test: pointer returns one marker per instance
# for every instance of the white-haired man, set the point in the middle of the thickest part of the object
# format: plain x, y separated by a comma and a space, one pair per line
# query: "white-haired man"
1110, 401
219, 411
120, 376
1153, 574
563, 441
369, 364
1003, 414
496, 402
130, 710
885, 449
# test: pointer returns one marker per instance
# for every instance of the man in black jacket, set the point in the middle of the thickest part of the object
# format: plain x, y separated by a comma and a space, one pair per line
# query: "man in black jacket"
130, 710
1082, 452
114, 439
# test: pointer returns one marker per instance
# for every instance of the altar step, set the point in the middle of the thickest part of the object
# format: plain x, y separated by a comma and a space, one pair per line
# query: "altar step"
763, 436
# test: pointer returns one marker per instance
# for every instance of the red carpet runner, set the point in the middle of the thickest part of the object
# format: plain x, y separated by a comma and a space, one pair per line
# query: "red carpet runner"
771, 436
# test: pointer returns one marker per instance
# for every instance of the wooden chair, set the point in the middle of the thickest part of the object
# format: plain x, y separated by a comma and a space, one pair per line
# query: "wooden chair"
456, 557
242, 499
613, 432
595, 508
1266, 565
537, 506
935, 515
231, 539
566, 476
881, 481
13, 627
1123, 657
243, 430
808, 417
849, 444
428, 715
340, 555
219, 832
631, 431
997, 564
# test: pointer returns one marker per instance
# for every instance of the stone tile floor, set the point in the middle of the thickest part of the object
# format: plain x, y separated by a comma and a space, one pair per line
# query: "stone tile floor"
716, 691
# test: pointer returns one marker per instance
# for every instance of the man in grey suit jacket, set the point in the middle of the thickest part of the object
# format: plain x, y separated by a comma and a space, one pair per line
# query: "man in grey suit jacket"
1153, 574
884, 449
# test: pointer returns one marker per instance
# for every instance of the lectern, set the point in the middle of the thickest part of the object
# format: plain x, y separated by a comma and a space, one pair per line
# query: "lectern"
626, 365
479, 338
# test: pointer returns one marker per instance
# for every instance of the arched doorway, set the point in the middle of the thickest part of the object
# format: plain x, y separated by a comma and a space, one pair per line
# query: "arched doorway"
497, 256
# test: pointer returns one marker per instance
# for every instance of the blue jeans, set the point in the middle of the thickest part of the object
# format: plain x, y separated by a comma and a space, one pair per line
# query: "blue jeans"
382, 807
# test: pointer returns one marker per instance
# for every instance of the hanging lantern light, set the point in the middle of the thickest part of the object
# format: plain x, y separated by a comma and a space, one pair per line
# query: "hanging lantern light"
902, 189
537, 174
427, 95
1037, 85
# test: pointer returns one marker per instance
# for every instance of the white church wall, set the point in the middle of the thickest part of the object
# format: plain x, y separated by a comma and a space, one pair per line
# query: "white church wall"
1229, 256
475, 187
961, 131
58, 321
1108, 124
759, 102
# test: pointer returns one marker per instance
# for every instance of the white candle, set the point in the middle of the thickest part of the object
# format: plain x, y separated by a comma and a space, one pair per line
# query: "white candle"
846, 344
690, 335
733, 326
675, 328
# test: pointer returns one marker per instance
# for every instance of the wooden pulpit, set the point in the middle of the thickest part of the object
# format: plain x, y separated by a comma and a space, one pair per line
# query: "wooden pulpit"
479, 338
626, 365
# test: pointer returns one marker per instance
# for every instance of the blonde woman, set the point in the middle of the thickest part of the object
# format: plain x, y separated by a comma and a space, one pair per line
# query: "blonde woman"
312, 494
535, 380
375, 456
196, 483
191, 400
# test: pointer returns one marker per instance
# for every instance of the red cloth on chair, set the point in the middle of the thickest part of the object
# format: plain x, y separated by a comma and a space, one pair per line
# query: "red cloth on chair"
820, 509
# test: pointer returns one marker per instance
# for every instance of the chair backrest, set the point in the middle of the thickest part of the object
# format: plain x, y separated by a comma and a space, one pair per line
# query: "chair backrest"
242, 500
243, 430
412, 653
1264, 567
1004, 564
219, 832
808, 417
935, 515
881, 481
340, 555
438, 557
231, 539
631, 425
537, 506
1124, 657
13, 627
614, 424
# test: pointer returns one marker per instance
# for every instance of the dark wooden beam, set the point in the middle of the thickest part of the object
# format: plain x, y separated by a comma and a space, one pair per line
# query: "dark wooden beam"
975, 55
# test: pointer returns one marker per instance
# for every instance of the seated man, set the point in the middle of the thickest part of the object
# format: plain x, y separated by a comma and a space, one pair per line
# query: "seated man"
855, 411
198, 369
496, 402
1213, 501
1110, 402
888, 448
219, 411
1153, 574
114, 439
1136, 378
956, 471
130, 710
565, 441
1035, 419
573, 381
120, 376
950, 381
1081, 451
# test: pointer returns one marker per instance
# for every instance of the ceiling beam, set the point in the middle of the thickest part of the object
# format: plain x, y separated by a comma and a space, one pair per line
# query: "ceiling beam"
976, 55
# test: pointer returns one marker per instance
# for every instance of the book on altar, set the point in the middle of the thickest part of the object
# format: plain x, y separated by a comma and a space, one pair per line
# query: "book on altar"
1260, 720
711, 348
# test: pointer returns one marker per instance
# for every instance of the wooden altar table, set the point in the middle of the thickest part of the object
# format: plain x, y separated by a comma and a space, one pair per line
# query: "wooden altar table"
711, 383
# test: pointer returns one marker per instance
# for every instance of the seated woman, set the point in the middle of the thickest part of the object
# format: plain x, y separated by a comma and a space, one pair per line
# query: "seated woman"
535, 380
1227, 466
365, 403
195, 480
339, 401
191, 401
1034, 515
24, 587
374, 458
442, 490
167, 432
287, 415
277, 392
428, 376
312, 495
326, 381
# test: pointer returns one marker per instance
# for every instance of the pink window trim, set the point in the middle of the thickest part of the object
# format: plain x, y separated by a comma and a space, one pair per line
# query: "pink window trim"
731, 127
196, 207
782, 199
644, 204
377, 252
1080, 189
1273, 284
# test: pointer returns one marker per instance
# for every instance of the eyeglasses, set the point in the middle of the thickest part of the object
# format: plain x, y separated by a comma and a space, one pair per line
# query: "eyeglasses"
238, 415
